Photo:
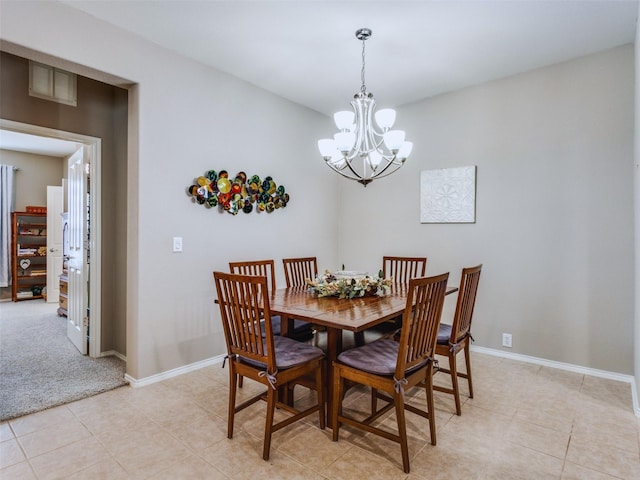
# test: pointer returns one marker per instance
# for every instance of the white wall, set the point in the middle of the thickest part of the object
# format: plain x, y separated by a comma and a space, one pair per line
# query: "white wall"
554, 225
35, 173
191, 118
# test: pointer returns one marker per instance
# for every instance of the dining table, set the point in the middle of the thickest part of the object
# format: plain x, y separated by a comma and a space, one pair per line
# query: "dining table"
337, 315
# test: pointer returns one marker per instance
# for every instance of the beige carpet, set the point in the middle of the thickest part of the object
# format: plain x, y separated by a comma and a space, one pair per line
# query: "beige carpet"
40, 368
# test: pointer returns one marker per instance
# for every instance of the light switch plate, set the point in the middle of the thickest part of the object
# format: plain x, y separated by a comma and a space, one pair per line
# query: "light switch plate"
177, 244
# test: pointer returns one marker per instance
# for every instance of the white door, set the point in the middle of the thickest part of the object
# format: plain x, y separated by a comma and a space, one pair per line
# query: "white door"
77, 311
54, 242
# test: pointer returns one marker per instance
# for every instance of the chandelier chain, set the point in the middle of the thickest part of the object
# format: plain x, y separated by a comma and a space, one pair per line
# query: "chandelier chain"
363, 88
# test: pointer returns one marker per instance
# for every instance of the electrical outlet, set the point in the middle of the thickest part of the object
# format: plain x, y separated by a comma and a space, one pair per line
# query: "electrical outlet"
507, 340
177, 244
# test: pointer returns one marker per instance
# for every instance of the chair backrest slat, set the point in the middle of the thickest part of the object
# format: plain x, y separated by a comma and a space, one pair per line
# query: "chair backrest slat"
461, 326
244, 302
298, 270
403, 269
263, 268
421, 321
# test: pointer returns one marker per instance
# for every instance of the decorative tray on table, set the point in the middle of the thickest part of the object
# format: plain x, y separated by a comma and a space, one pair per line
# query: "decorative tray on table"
348, 284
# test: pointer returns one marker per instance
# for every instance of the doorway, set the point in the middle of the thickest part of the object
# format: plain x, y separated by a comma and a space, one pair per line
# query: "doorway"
92, 148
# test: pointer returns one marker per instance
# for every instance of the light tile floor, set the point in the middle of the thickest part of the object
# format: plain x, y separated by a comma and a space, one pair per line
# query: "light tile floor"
525, 422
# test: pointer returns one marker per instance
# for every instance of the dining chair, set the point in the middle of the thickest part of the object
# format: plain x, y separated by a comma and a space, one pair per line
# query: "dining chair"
454, 338
263, 268
296, 273
298, 270
271, 360
390, 368
302, 331
401, 269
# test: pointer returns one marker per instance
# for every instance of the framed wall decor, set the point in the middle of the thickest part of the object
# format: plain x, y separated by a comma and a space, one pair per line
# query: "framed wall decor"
448, 195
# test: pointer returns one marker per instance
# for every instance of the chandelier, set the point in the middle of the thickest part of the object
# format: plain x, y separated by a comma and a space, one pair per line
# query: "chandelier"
360, 151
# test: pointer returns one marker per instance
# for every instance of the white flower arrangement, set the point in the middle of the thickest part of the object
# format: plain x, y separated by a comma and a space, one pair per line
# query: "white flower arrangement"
348, 284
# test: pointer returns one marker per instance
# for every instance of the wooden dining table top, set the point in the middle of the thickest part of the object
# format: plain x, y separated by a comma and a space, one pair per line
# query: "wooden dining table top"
355, 314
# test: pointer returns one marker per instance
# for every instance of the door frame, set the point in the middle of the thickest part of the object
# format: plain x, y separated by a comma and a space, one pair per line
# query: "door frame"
93, 146
55, 199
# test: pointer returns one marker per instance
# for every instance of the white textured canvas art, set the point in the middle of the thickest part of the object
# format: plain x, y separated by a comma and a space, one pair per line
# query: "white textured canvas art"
448, 195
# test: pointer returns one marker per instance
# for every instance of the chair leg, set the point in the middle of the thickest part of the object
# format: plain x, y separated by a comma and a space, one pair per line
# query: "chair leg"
233, 379
402, 430
320, 383
467, 359
430, 405
240, 381
336, 404
359, 338
271, 407
453, 369
374, 401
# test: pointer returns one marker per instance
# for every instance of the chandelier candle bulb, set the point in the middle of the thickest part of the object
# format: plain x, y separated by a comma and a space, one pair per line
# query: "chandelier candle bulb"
405, 150
375, 158
327, 147
345, 141
385, 118
393, 139
361, 151
344, 120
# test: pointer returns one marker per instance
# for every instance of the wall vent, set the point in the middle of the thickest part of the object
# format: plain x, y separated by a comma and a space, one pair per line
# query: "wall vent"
53, 84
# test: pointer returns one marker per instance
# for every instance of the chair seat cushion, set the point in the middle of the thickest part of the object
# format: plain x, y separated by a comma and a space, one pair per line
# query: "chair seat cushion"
289, 353
444, 334
299, 326
377, 357
302, 331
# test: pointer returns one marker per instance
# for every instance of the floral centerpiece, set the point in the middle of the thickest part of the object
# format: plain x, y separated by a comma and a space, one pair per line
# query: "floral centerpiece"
344, 284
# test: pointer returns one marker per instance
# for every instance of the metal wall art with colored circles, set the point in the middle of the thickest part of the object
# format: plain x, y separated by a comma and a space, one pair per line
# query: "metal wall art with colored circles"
217, 189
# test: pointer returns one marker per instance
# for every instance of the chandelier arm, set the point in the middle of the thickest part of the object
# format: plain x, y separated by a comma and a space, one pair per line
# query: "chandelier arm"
357, 177
381, 173
358, 108
393, 160
369, 131
355, 173
333, 167
363, 108
373, 144
340, 169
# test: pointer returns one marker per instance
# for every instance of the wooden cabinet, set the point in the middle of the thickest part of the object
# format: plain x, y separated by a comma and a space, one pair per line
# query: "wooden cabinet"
64, 284
64, 278
28, 255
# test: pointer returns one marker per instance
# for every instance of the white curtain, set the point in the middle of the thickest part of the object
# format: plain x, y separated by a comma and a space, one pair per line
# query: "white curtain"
7, 200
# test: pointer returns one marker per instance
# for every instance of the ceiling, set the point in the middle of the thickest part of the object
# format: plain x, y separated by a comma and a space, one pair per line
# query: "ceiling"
306, 50
22, 142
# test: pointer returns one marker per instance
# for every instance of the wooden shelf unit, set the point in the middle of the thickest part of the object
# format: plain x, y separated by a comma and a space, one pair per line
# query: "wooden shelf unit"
28, 242
64, 277
64, 292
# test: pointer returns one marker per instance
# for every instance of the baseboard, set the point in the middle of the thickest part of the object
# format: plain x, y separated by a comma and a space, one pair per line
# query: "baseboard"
173, 373
488, 351
569, 367
113, 353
